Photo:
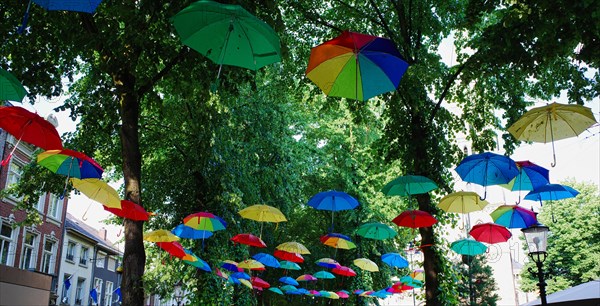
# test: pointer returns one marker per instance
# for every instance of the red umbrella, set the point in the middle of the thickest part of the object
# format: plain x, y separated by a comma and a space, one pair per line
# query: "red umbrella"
293, 257
415, 219
344, 271
174, 248
400, 287
260, 283
490, 233
129, 210
29, 127
249, 239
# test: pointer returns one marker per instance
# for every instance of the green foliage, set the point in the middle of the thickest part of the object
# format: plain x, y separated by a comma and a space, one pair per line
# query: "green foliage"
476, 278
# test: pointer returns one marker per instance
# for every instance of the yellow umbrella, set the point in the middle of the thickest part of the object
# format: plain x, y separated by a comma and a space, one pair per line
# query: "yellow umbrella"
251, 264
160, 236
462, 202
263, 213
293, 247
366, 264
552, 122
246, 283
98, 191
332, 295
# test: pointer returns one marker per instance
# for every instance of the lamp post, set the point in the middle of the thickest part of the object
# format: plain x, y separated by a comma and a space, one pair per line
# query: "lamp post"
537, 237
178, 292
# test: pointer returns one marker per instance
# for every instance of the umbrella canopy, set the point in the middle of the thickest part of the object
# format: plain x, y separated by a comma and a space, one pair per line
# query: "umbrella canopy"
98, 191
338, 241
513, 216
490, 233
306, 278
205, 221
468, 247
293, 247
332, 295
344, 271
288, 265
175, 249
29, 127
342, 294
228, 35
197, 262
276, 290
251, 264
249, 239
551, 192
356, 66
231, 266
377, 231
160, 235
552, 122
409, 281
11, 88
263, 213
408, 185
288, 281
70, 163
85, 6
333, 201
241, 275
324, 275
415, 219
184, 231
400, 287
288, 288
246, 283
394, 260
462, 202
221, 274
293, 257
233, 280
314, 293
328, 263
418, 274
129, 210
487, 169
266, 259
530, 177
366, 264
259, 282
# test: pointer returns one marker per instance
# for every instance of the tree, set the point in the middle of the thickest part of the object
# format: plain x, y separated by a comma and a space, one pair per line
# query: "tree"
476, 285
573, 243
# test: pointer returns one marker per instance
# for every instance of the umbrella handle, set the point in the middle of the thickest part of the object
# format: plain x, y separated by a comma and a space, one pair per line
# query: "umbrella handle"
23, 25
552, 139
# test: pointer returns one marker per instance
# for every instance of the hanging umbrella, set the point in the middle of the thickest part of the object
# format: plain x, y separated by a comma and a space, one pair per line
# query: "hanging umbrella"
288, 265
70, 163
418, 274
487, 169
490, 233
259, 282
358, 291
288, 288
366, 264
251, 264
98, 191
551, 192
342, 295
221, 274
513, 216
356, 66
328, 263
400, 287
246, 283
160, 235
415, 219
233, 280
84, 6
468, 247
29, 127
288, 281
197, 262
228, 35
332, 295
241, 275
324, 275
205, 221
11, 88
174, 248
262, 213
249, 239
409, 281
266, 259
231, 265
293, 247
344, 271
552, 122
324, 294
408, 185
376, 231
332, 201
276, 290
394, 260
293, 257
129, 210
462, 202
314, 293
338, 241
306, 278
530, 177
184, 231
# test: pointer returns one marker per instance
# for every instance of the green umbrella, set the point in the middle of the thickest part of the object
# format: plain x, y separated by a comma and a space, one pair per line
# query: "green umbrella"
276, 290
288, 288
408, 185
10, 88
324, 275
376, 231
468, 247
227, 34
407, 280
288, 265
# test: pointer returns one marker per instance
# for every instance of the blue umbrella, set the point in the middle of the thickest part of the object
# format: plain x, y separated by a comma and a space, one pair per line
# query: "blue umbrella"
184, 231
233, 280
85, 6
241, 275
276, 290
303, 291
487, 169
551, 192
530, 177
267, 260
197, 262
334, 201
289, 281
394, 260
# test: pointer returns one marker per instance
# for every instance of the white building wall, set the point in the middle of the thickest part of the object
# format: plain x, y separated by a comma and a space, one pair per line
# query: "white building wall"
76, 270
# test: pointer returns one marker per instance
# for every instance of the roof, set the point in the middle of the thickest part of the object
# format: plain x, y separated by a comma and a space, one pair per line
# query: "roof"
582, 295
91, 233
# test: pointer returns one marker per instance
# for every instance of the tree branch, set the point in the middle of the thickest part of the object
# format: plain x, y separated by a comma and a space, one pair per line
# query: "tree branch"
384, 24
403, 30
449, 84
168, 67
317, 19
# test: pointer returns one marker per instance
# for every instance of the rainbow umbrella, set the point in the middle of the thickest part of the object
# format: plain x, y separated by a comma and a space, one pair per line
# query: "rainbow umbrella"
530, 177
338, 241
184, 231
231, 265
356, 66
306, 278
205, 221
70, 163
513, 216
327, 263
197, 262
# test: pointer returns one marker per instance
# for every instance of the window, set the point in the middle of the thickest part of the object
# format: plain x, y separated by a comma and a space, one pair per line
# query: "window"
112, 263
48, 257
41, 203
28, 256
14, 172
79, 291
83, 258
65, 290
55, 207
100, 260
108, 294
71, 251
8, 245
98, 287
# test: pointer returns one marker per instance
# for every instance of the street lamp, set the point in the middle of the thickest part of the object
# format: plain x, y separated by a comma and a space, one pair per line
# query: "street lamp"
178, 292
537, 237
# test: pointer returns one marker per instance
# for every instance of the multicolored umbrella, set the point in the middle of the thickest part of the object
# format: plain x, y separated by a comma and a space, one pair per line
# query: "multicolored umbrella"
338, 241
293, 257
366, 264
328, 263
513, 216
408, 185
184, 231
231, 266
70, 163
288, 281
409, 281
418, 274
249, 239
11, 88
266, 259
288, 265
251, 264
324, 275
293, 247
552, 122
175, 249
306, 278
344, 271
356, 66
197, 262
205, 221
333, 201
487, 169
98, 191
468, 247
129, 210
377, 231
530, 177
394, 260
462, 202
415, 219
490, 233
160, 235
